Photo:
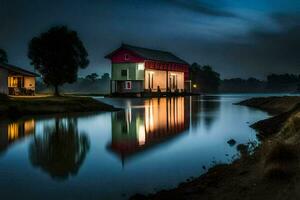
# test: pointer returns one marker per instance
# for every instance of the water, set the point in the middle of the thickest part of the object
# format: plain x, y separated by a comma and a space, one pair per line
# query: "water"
151, 145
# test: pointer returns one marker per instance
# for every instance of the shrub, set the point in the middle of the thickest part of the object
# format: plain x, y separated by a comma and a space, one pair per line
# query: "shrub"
3, 97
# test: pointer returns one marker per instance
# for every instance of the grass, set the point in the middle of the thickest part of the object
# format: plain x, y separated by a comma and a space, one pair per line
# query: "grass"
18, 106
3, 97
273, 105
280, 160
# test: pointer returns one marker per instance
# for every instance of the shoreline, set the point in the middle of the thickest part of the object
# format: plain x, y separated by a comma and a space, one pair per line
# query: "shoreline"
14, 107
270, 172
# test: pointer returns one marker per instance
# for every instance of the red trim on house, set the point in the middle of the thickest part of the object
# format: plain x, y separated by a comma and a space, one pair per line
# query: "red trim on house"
126, 56
149, 64
119, 57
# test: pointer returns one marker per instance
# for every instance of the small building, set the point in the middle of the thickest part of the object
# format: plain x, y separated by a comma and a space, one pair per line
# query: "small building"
16, 81
138, 70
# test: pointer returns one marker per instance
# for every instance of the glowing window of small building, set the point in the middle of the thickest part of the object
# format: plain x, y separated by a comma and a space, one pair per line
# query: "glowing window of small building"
12, 81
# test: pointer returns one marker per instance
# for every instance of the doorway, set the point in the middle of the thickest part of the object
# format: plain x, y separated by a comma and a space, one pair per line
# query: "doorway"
173, 82
150, 80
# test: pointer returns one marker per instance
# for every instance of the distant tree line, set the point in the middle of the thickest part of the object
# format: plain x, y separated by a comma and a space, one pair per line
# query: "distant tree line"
273, 83
204, 79
90, 84
281, 79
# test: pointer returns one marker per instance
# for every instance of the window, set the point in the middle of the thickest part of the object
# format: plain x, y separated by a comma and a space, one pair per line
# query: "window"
126, 57
124, 72
150, 80
141, 66
128, 85
15, 81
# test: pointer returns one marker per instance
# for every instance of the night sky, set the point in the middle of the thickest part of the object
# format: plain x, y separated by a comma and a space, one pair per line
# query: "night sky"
239, 38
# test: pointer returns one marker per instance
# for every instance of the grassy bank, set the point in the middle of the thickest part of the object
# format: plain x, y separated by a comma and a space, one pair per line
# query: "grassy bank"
18, 106
282, 107
271, 172
273, 105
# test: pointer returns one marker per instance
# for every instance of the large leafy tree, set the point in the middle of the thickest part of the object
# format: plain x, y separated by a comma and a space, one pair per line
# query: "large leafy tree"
58, 54
3, 56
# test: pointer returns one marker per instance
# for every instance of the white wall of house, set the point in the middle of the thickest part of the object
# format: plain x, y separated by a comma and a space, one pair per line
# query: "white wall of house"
3, 81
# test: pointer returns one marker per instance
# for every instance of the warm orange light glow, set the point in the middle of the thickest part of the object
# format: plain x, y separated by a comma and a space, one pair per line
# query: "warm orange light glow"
13, 131
194, 86
141, 135
135, 129
29, 126
12, 81
158, 79
164, 115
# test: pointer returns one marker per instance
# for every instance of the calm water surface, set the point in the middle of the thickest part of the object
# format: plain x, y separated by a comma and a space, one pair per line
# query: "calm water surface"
153, 144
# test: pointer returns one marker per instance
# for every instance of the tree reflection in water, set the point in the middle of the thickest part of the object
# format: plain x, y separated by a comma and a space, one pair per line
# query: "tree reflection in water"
205, 110
60, 150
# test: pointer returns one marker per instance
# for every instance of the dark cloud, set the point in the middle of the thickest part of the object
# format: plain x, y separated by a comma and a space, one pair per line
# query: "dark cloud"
239, 38
262, 51
202, 7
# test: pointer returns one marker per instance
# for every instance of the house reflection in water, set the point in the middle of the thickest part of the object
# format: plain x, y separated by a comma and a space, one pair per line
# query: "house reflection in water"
159, 120
10, 132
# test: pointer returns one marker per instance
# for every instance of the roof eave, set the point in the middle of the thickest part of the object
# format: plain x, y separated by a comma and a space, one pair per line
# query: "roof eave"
108, 56
18, 70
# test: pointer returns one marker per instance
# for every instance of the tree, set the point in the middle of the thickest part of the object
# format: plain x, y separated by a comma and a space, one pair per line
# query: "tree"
61, 150
3, 56
105, 77
58, 54
92, 77
204, 79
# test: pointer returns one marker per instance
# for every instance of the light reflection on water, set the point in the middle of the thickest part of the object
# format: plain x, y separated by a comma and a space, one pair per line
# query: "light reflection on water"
152, 144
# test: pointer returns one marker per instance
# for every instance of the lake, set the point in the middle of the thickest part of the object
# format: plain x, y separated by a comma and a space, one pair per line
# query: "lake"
152, 144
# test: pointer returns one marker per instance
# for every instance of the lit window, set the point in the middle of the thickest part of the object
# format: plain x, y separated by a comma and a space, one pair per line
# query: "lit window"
128, 85
141, 66
126, 57
12, 81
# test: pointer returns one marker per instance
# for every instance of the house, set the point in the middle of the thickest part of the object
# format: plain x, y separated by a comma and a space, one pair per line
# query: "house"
160, 121
138, 70
16, 81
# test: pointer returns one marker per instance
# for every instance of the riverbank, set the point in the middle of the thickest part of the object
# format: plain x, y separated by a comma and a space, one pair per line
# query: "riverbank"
39, 105
271, 172
281, 107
